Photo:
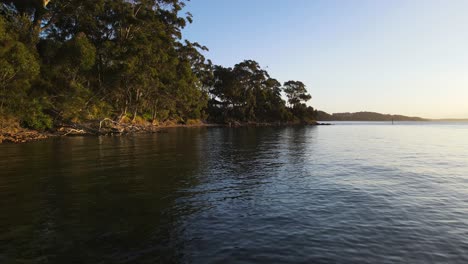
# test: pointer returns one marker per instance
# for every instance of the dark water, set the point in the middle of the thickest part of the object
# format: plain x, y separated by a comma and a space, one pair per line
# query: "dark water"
349, 193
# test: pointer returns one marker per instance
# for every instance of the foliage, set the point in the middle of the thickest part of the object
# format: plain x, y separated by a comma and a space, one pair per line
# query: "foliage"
18, 68
34, 117
77, 60
247, 93
296, 92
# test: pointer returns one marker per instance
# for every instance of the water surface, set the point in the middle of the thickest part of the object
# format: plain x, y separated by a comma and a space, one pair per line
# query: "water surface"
348, 193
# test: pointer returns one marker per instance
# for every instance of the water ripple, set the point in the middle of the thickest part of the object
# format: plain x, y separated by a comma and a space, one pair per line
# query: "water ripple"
339, 194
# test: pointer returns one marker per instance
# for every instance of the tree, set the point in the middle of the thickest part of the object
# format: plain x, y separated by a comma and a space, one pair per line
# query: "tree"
246, 93
18, 69
270, 106
141, 67
66, 71
77, 60
31, 16
296, 93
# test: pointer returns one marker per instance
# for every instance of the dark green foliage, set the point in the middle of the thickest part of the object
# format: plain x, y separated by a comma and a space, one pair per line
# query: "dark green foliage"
18, 69
34, 117
247, 93
77, 60
296, 92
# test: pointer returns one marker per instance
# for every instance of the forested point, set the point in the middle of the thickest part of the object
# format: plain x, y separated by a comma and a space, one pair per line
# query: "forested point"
73, 61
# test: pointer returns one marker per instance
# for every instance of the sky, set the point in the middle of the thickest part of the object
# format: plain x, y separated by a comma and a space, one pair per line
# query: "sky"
398, 57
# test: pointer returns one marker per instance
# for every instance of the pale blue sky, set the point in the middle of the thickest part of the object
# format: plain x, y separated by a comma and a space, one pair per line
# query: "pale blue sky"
396, 56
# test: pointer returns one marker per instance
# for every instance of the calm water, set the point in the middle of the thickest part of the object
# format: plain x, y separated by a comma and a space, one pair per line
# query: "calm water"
349, 193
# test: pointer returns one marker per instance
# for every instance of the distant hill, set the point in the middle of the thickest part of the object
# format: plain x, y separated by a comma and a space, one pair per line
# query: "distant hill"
364, 116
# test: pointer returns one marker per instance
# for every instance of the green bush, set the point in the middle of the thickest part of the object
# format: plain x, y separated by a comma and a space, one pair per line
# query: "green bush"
33, 117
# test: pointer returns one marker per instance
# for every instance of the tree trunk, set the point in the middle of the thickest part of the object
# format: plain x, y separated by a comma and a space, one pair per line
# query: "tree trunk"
154, 110
137, 101
135, 114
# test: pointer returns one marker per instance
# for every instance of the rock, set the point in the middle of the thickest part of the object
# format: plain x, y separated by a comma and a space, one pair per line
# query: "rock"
20, 136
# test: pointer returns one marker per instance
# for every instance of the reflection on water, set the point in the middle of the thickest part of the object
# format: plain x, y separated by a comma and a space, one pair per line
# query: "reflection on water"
360, 193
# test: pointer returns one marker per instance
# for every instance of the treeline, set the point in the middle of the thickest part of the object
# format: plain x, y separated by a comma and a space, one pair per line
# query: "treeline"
77, 60
246, 93
364, 116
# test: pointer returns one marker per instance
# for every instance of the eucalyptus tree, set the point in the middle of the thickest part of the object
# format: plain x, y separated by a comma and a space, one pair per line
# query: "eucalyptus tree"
246, 92
296, 93
270, 106
18, 68
141, 65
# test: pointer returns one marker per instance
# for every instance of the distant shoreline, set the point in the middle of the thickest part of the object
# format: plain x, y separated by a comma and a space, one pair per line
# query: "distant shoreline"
449, 120
365, 116
425, 120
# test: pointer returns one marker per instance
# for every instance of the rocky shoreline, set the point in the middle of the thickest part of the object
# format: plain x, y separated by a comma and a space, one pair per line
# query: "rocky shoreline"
109, 127
22, 136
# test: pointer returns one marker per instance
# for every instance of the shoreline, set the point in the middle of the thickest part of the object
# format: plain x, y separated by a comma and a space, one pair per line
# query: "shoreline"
23, 135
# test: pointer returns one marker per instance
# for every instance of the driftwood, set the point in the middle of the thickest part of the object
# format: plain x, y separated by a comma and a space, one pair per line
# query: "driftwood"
104, 127
108, 126
74, 129
75, 132
115, 126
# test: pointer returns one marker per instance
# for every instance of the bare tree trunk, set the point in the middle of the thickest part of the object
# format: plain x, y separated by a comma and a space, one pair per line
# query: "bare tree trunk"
135, 114
137, 101
154, 111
